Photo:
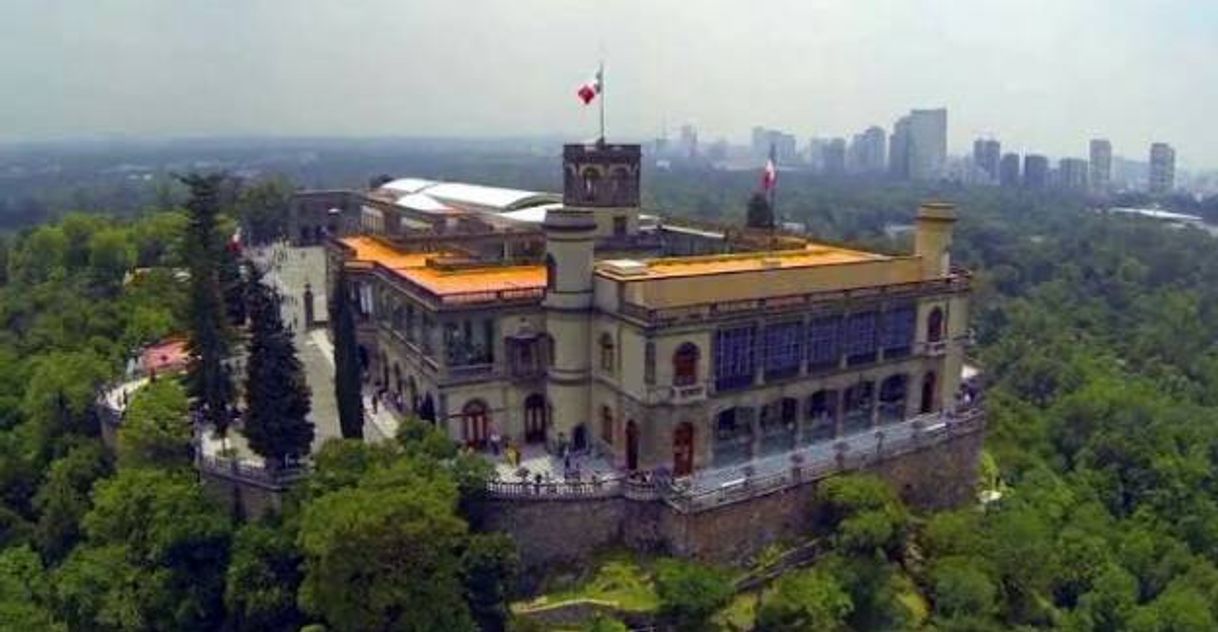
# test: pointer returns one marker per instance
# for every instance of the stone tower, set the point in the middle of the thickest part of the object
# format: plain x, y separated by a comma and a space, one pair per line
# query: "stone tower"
605, 180
570, 236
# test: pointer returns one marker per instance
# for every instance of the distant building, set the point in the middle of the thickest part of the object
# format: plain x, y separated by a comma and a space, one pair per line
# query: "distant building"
1008, 170
898, 149
1035, 171
918, 150
1101, 165
1072, 174
986, 153
688, 142
785, 146
868, 151
835, 157
1162, 169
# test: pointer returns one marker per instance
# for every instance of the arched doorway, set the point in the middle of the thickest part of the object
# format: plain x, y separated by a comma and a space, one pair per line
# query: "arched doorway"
683, 449
475, 423
427, 409
928, 393
579, 438
632, 445
535, 418
413, 390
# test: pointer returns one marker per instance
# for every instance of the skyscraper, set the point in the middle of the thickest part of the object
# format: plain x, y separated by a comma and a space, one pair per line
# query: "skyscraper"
1162, 169
898, 149
867, 151
927, 143
1008, 170
986, 153
1072, 174
1035, 171
1101, 165
835, 157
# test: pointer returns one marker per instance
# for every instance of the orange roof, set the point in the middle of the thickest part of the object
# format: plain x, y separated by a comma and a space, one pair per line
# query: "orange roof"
488, 279
413, 267
376, 251
811, 255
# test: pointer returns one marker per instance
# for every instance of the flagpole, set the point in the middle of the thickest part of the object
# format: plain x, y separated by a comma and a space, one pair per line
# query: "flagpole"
601, 76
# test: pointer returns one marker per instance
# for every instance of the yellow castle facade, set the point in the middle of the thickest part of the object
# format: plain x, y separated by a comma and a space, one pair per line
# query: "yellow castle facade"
568, 322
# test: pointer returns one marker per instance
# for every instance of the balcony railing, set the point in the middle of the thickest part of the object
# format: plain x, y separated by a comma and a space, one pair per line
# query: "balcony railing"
958, 281
687, 394
712, 488
557, 490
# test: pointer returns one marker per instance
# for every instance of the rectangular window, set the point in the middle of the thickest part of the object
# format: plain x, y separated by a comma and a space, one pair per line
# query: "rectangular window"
734, 361
782, 350
649, 362
897, 331
822, 343
859, 341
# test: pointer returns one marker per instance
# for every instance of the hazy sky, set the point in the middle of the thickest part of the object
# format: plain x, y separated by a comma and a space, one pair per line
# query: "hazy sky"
1042, 75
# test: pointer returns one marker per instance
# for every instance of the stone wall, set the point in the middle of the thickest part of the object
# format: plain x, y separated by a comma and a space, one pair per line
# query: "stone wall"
550, 531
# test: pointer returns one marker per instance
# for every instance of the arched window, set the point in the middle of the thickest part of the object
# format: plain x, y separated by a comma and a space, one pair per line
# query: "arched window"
685, 365
607, 352
892, 398
536, 413
607, 425
934, 325
928, 393
591, 177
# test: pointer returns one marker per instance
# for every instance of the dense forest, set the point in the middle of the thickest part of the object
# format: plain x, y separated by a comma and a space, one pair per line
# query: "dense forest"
1094, 331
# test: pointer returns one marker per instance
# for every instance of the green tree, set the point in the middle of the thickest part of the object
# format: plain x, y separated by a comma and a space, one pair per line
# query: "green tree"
154, 557
263, 207
276, 394
346, 362
25, 592
59, 399
690, 593
805, 600
263, 578
156, 431
63, 498
864, 513
111, 256
604, 624
759, 215
209, 380
383, 554
489, 565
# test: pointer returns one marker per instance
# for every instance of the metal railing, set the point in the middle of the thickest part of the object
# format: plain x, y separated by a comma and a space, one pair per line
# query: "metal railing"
717, 487
957, 281
245, 471
714, 488
608, 487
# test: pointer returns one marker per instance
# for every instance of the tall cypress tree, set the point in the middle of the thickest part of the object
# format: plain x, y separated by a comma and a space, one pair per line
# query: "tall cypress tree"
346, 364
208, 380
276, 393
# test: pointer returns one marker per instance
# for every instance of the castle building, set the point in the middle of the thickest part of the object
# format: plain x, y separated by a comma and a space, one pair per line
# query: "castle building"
577, 323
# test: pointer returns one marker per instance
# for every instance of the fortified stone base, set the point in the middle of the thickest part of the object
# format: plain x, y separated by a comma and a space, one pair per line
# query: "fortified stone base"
549, 531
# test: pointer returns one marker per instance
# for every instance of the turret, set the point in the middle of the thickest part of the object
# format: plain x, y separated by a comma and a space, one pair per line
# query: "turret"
933, 237
605, 180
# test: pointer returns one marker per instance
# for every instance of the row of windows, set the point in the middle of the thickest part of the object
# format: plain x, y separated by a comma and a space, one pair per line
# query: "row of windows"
784, 347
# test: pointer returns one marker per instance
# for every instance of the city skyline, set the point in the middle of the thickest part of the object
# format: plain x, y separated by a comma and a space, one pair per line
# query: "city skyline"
387, 69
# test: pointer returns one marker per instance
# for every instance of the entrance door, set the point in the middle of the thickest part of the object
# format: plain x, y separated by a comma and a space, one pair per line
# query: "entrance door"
928, 393
476, 422
535, 418
683, 449
632, 446
580, 439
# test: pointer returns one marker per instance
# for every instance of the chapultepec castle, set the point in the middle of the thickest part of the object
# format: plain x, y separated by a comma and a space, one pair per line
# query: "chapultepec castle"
712, 375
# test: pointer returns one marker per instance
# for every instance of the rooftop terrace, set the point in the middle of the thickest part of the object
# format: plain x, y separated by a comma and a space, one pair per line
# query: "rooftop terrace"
671, 267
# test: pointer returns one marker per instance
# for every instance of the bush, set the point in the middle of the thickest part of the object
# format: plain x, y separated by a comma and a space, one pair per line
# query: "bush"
690, 593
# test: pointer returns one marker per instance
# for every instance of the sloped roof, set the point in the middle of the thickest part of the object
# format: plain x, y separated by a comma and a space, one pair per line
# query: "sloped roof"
407, 185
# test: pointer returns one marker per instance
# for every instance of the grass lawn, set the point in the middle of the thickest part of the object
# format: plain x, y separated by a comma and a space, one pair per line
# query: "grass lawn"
618, 577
